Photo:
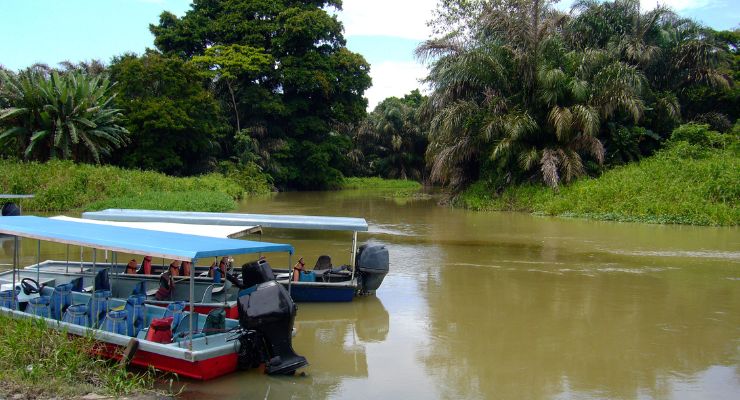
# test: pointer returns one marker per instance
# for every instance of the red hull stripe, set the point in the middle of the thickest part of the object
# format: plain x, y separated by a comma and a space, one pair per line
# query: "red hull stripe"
202, 369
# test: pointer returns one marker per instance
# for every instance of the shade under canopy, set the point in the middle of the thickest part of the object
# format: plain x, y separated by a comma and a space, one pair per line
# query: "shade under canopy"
265, 220
133, 241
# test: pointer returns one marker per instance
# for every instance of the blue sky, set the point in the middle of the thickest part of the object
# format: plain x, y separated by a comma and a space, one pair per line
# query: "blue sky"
384, 31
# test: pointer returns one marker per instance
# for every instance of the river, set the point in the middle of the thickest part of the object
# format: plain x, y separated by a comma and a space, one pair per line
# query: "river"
481, 305
511, 306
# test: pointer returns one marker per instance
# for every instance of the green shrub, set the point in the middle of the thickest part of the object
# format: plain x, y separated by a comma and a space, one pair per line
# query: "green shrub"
63, 186
685, 183
396, 188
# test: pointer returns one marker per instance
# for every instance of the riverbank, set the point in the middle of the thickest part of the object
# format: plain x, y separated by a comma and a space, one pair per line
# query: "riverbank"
390, 187
685, 183
39, 362
66, 186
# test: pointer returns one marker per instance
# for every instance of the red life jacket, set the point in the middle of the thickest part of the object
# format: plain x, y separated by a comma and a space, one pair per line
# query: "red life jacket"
160, 330
147, 265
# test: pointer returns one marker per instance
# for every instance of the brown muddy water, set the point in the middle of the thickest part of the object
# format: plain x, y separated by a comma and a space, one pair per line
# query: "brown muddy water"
507, 306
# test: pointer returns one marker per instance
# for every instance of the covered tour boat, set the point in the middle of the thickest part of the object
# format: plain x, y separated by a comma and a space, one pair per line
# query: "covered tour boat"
367, 267
167, 338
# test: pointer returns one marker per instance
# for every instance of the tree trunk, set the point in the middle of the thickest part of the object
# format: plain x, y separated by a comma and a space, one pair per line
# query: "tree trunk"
233, 103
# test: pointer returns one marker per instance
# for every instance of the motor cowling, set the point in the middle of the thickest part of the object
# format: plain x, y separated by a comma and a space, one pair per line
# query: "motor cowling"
373, 264
256, 272
11, 210
267, 315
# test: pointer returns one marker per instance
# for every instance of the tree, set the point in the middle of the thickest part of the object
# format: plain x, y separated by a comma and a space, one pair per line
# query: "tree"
312, 83
228, 63
524, 92
53, 115
392, 139
174, 120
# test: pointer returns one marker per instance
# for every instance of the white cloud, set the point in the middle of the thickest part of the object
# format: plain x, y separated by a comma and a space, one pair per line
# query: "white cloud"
399, 18
393, 78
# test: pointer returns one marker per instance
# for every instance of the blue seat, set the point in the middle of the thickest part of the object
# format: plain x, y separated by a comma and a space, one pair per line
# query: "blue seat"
116, 321
175, 310
181, 332
39, 306
98, 306
61, 298
8, 299
76, 314
136, 313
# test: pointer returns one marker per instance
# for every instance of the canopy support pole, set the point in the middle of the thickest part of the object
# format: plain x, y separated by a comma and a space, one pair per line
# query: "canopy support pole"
38, 262
192, 309
354, 252
66, 268
15, 267
290, 269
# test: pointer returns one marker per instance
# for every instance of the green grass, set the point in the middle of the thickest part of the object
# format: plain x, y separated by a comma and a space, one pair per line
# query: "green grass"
65, 186
682, 184
39, 361
393, 187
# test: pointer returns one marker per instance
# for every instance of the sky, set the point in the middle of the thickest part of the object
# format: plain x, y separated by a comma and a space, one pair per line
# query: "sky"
386, 32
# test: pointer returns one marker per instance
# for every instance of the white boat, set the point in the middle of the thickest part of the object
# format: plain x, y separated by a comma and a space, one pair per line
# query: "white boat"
367, 267
189, 343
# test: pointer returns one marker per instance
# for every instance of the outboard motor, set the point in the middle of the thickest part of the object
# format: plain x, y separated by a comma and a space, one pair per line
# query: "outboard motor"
267, 315
373, 264
11, 210
256, 272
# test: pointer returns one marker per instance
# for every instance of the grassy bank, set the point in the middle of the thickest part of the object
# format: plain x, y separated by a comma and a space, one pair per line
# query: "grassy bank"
37, 361
394, 187
686, 183
63, 186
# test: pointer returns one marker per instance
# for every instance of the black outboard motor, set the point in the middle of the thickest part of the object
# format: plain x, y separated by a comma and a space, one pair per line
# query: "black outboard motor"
373, 264
11, 210
267, 315
256, 272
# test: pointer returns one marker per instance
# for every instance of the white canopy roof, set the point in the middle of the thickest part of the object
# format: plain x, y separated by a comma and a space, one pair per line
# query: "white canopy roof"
216, 231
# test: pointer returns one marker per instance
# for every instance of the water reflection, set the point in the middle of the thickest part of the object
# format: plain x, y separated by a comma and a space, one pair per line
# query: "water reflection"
333, 337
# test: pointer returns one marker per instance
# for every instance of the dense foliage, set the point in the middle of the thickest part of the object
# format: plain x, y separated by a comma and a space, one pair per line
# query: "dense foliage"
63, 185
283, 69
695, 179
46, 115
390, 142
525, 93
175, 123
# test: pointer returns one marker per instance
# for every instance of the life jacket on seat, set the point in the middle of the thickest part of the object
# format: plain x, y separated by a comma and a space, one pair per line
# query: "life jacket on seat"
131, 267
160, 330
146, 266
166, 285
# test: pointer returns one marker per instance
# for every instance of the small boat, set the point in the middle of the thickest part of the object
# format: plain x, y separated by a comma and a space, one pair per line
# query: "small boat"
363, 275
169, 339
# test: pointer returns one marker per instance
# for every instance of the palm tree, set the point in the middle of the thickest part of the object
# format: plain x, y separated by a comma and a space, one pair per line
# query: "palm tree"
66, 116
398, 137
516, 96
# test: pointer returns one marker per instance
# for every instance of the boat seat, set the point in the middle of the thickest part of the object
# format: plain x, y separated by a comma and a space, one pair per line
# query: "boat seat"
323, 262
208, 294
182, 330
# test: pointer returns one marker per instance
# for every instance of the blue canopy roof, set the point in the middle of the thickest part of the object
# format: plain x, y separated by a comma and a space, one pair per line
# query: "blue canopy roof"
133, 241
265, 220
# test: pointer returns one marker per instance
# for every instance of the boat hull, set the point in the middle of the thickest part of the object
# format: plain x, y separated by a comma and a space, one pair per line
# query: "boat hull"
203, 370
306, 293
195, 364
